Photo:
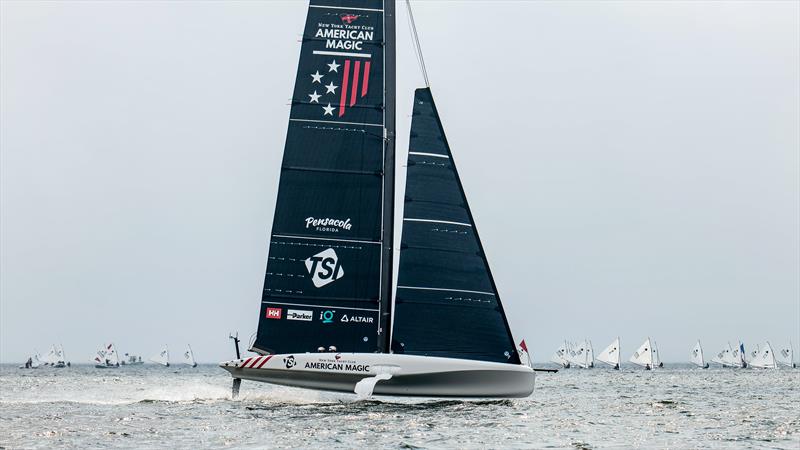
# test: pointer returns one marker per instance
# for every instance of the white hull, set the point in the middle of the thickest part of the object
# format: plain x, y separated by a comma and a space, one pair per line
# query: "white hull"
411, 375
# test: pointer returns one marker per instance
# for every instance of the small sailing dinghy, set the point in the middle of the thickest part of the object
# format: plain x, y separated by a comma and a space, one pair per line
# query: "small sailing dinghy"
561, 356
162, 357
55, 357
785, 356
610, 354
763, 357
731, 357
34, 362
131, 360
188, 357
106, 358
696, 356
643, 357
328, 319
582, 355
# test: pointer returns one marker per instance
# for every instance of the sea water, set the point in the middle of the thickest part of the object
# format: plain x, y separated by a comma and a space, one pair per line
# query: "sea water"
180, 407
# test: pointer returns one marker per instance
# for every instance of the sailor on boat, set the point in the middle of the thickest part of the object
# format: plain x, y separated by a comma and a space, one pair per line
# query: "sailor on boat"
443, 332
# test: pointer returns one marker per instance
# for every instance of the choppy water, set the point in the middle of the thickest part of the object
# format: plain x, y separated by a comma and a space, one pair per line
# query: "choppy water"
149, 406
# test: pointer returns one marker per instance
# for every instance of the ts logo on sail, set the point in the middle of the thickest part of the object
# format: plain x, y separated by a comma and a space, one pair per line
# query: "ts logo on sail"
324, 268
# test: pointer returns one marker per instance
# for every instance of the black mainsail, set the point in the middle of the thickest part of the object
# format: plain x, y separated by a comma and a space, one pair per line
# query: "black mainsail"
328, 282
446, 303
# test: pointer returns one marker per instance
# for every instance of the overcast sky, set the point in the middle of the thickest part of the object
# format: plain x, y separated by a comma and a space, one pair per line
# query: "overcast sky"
633, 167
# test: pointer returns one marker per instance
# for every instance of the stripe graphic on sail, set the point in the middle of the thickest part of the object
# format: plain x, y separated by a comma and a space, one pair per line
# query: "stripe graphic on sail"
446, 302
323, 280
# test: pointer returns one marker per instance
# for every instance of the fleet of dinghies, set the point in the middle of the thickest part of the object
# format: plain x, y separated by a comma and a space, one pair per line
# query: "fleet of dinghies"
648, 357
106, 357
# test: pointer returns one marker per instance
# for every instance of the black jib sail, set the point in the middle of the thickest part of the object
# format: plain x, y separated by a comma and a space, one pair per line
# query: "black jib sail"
326, 276
446, 302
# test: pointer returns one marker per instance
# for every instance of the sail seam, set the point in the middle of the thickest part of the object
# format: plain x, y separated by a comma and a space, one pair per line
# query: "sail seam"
436, 221
325, 239
429, 154
444, 289
338, 123
318, 306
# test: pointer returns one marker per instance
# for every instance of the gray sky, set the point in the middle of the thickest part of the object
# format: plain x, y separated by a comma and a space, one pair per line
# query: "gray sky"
633, 167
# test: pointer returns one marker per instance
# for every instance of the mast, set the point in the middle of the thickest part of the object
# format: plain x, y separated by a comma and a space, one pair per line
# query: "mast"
389, 55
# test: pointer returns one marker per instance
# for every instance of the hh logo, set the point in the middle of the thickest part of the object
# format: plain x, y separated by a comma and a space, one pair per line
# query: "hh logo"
324, 268
274, 313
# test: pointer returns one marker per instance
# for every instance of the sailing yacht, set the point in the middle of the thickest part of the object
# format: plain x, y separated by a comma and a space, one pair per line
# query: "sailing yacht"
643, 357
162, 357
610, 354
106, 358
188, 357
785, 356
763, 357
561, 356
329, 317
696, 356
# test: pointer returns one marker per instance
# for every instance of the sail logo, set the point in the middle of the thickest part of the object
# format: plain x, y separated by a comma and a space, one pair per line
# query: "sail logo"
328, 225
299, 314
274, 313
324, 268
327, 316
348, 18
353, 86
356, 319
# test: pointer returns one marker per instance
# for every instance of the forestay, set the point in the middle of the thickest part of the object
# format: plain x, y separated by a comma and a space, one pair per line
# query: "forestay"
327, 278
446, 302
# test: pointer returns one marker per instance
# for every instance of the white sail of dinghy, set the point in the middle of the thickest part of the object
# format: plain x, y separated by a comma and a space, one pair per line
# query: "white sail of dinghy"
188, 357
785, 357
50, 357
560, 356
643, 357
56, 357
581, 355
162, 357
764, 357
657, 362
610, 355
696, 356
